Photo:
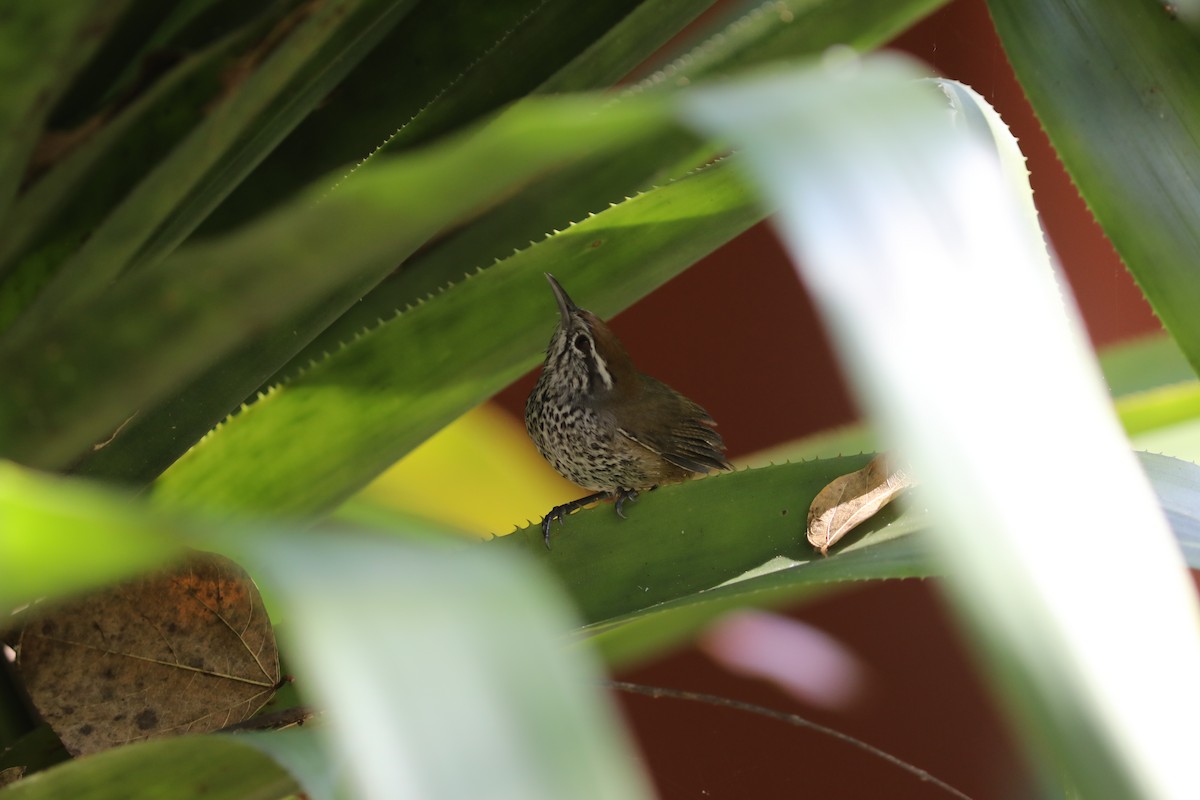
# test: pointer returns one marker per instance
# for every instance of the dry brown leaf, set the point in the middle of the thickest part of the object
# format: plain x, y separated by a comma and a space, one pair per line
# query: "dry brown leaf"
189, 650
850, 500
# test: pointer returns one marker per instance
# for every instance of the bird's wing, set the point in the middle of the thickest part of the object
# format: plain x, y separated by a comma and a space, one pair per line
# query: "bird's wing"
675, 428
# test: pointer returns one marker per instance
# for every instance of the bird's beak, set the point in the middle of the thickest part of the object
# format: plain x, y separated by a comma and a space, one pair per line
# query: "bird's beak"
565, 306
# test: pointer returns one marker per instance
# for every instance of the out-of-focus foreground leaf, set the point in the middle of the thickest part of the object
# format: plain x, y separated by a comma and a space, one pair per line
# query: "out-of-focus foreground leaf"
428, 658
187, 768
59, 536
907, 221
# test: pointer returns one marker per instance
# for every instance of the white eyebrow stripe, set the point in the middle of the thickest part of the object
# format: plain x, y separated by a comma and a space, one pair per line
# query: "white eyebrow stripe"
601, 367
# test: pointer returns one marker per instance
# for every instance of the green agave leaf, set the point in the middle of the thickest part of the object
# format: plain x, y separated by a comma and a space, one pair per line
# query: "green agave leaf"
77, 383
321, 43
556, 30
187, 767
65, 206
497, 53
58, 212
381, 395
428, 659
774, 31
680, 540
59, 536
626, 44
1112, 83
151, 38
42, 45
754, 32
885, 550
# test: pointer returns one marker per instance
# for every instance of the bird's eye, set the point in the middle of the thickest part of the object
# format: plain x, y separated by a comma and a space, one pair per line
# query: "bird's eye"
581, 343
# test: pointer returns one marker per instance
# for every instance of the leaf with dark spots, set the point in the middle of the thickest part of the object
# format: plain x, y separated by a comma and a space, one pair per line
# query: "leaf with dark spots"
188, 650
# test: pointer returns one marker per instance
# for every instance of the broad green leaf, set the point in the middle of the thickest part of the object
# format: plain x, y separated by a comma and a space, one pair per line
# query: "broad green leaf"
642, 32
497, 53
756, 34
547, 36
751, 33
907, 222
389, 390
680, 540
77, 383
41, 47
275, 87
887, 550
894, 546
428, 659
59, 536
1113, 85
184, 768
150, 39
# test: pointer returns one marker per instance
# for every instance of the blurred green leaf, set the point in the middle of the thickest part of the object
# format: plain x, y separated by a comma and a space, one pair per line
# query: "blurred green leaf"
751, 33
103, 160
1113, 85
59, 536
461, 60
76, 383
1160, 408
263, 97
183, 768
42, 45
428, 658
154, 36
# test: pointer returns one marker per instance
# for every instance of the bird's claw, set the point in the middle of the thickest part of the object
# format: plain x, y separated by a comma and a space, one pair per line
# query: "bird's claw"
623, 495
560, 512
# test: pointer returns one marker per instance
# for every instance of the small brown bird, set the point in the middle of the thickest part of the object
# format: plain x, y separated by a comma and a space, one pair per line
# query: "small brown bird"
606, 426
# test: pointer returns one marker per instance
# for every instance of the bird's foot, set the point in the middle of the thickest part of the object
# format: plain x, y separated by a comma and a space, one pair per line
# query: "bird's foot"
560, 512
622, 495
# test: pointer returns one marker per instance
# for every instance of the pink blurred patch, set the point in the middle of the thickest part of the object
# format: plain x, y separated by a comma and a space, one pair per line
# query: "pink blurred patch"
804, 661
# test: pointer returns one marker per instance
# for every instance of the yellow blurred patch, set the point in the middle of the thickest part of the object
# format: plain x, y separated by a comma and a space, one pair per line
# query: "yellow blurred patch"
481, 474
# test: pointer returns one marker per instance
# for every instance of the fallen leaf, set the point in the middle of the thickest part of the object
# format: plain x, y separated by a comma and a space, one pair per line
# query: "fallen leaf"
184, 651
850, 500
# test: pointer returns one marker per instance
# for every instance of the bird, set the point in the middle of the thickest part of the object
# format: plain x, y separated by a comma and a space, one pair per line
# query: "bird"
607, 427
